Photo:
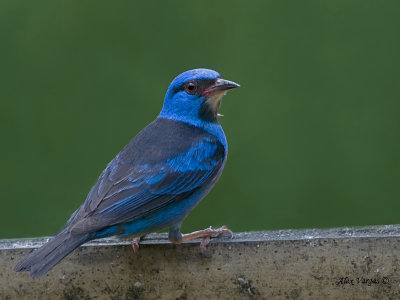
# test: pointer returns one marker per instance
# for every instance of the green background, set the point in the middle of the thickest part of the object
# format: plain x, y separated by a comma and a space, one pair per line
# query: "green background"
313, 132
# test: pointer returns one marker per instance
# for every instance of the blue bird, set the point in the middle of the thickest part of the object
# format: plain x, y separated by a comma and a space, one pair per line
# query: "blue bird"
157, 179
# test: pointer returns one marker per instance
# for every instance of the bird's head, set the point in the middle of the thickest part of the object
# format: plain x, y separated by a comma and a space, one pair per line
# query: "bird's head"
195, 96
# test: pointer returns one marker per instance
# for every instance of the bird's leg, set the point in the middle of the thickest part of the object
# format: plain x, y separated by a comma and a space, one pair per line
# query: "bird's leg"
175, 236
135, 243
206, 235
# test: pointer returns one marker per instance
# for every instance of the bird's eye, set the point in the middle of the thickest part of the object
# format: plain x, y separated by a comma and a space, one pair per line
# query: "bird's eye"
191, 87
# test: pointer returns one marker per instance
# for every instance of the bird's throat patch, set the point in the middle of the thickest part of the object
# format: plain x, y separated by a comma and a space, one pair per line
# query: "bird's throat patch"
209, 108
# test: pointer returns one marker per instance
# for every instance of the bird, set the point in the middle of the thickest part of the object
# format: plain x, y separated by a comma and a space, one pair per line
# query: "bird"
156, 179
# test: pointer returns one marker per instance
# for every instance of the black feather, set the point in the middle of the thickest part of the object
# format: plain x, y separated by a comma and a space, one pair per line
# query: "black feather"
46, 257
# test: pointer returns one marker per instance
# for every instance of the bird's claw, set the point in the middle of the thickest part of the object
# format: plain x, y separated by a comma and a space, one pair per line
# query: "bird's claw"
216, 232
210, 232
135, 244
203, 244
225, 230
206, 235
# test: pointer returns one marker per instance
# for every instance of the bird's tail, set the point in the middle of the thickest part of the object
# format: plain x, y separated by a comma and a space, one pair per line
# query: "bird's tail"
42, 260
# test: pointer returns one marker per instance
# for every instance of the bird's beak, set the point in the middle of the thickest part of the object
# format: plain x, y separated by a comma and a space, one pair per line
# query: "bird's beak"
214, 93
220, 85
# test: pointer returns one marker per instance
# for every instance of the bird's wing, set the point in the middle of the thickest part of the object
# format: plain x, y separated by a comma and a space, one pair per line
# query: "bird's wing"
126, 191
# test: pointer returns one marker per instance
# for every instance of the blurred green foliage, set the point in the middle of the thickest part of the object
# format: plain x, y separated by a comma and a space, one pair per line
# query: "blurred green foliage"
313, 132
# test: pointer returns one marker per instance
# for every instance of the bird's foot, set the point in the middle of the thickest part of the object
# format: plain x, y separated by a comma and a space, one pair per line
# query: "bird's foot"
206, 235
135, 244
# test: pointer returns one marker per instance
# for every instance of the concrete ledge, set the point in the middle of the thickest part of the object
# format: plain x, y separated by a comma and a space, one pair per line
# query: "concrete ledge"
343, 263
